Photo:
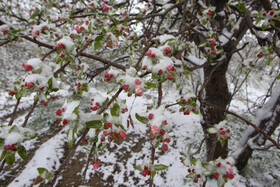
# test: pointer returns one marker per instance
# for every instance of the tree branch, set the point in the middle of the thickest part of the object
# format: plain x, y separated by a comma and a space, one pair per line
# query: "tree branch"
246, 121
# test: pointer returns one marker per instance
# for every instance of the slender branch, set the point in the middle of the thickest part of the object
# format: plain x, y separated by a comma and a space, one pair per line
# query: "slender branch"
46, 55
55, 74
88, 160
3, 43
14, 112
173, 104
199, 149
246, 121
104, 61
84, 47
2, 164
159, 94
153, 160
153, 149
29, 113
156, 14
70, 154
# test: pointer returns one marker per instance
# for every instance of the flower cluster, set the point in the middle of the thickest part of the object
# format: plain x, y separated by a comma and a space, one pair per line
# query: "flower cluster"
220, 131
159, 127
4, 29
220, 169
207, 15
11, 147
68, 113
95, 164
96, 102
188, 105
113, 132
58, 120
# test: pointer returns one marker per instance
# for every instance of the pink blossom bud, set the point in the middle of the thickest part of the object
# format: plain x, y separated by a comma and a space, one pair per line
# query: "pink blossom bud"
154, 129
139, 91
122, 135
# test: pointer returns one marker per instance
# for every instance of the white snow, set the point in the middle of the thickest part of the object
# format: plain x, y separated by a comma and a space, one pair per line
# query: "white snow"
47, 156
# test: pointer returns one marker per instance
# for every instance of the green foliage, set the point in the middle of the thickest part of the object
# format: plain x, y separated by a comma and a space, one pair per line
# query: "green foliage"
44, 173
22, 152
96, 124
10, 157
141, 118
115, 110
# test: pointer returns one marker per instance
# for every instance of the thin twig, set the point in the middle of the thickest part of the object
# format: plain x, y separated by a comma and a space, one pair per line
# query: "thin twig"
246, 121
29, 113
199, 149
14, 112
88, 160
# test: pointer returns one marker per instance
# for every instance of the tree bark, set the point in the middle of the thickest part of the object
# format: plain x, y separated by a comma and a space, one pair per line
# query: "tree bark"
216, 92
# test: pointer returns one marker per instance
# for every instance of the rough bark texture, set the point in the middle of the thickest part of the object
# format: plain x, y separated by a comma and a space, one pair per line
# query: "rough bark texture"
216, 92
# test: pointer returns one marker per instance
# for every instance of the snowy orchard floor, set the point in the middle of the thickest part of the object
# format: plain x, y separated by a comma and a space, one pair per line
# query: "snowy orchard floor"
119, 157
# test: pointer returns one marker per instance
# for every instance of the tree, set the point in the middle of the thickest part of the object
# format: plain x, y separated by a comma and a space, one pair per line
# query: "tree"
146, 46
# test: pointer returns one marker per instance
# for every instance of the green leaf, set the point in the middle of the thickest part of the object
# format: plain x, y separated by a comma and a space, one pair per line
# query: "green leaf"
115, 110
160, 167
202, 44
141, 118
45, 173
22, 152
97, 45
10, 158
193, 160
96, 124
189, 175
36, 12
156, 144
41, 170
3, 153
15, 31
153, 174
19, 95
150, 85
223, 142
102, 147
240, 7
278, 76
2, 142
219, 51
104, 31
138, 168
50, 83
98, 38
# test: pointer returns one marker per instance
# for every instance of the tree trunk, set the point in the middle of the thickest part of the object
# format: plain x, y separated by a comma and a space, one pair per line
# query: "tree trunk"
268, 119
216, 92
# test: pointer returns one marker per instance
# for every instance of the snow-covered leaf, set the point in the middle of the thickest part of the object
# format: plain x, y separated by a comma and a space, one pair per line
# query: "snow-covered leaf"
138, 168
150, 85
115, 110
160, 167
